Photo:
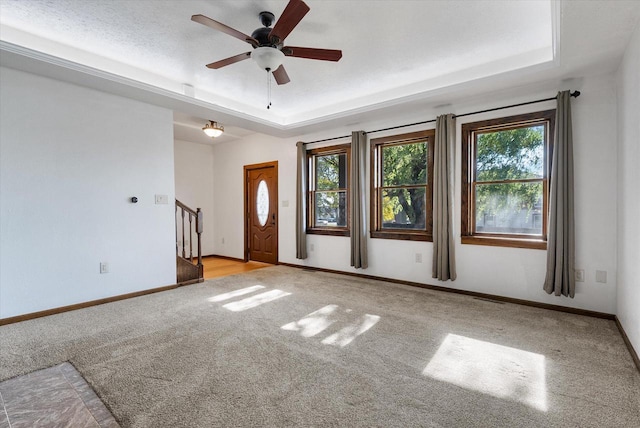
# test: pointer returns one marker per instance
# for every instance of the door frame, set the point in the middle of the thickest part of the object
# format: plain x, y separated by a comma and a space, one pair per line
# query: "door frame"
247, 219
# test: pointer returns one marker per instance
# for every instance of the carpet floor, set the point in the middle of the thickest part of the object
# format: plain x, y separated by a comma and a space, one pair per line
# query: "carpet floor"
282, 347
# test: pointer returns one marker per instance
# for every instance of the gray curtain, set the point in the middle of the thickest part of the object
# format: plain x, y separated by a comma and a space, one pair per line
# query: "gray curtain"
301, 202
444, 257
357, 204
561, 241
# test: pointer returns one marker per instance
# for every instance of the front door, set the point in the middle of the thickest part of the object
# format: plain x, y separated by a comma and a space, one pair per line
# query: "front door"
261, 213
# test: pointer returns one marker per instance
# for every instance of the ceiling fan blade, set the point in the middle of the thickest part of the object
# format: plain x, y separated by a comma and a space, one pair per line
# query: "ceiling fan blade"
281, 75
292, 15
229, 61
312, 53
201, 19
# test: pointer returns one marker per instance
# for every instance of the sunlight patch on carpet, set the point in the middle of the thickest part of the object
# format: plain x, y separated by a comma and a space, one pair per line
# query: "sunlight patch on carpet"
496, 370
257, 300
314, 323
236, 293
345, 336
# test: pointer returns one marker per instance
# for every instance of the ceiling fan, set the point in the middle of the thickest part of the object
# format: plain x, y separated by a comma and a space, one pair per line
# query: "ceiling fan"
268, 50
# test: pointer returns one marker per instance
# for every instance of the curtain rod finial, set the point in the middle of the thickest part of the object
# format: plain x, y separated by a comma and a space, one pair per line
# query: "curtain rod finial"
575, 94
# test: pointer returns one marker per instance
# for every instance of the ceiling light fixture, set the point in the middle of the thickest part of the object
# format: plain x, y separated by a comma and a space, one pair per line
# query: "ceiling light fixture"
213, 129
267, 58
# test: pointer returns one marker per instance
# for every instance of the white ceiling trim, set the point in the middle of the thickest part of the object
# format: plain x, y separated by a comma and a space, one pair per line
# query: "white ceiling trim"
32, 61
15, 40
88, 62
426, 46
408, 93
20, 53
578, 48
556, 23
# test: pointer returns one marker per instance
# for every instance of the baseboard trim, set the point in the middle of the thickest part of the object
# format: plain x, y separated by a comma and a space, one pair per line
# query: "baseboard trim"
235, 259
632, 351
584, 312
39, 314
559, 308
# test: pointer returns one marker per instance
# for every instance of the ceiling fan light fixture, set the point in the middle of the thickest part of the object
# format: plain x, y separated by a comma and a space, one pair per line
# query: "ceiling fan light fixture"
267, 58
213, 129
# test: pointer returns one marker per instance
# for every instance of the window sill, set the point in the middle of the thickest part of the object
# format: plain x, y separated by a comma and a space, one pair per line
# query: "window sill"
330, 232
535, 244
402, 236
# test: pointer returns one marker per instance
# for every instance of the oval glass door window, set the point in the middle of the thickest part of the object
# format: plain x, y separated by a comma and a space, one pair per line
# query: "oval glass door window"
262, 203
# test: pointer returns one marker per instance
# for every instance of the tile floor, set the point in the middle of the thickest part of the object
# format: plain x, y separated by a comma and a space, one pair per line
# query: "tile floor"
53, 397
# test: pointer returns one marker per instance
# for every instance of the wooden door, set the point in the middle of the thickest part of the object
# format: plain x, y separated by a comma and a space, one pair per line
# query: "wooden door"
261, 212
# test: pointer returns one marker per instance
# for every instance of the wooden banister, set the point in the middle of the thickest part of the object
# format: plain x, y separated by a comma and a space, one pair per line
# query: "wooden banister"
187, 270
186, 208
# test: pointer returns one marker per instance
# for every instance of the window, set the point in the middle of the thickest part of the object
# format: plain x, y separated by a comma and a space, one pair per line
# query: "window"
401, 183
329, 190
505, 172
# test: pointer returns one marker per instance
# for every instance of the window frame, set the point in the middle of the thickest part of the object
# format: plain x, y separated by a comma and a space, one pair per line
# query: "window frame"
312, 155
377, 144
469, 152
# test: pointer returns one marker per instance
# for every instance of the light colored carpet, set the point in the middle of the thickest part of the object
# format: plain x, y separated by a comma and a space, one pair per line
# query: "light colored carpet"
302, 348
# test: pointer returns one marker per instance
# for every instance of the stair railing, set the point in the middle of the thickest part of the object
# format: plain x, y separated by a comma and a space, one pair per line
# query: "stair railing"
188, 216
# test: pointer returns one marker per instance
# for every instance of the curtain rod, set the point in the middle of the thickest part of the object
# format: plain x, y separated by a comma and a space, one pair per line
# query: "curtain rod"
574, 94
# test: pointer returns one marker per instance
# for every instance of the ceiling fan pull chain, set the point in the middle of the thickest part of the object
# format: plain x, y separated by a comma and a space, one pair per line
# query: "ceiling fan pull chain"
268, 89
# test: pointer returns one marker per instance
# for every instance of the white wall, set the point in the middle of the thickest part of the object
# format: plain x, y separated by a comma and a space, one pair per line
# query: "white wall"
229, 159
194, 186
70, 160
628, 308
511, 272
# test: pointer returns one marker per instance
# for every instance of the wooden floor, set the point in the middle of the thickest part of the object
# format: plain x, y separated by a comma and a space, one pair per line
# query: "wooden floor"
215, 267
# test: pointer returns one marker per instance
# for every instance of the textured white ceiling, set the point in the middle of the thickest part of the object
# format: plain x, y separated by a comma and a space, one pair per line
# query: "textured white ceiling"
386, 45
397, 55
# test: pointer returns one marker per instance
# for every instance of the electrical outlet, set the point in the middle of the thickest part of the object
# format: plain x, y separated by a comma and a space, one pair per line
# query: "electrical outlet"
418, 257
223, 240
579, 275
104, 267
311, 247
285, 204
601, 276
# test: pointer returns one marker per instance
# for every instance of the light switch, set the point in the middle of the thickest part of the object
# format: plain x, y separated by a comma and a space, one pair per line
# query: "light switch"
162, 199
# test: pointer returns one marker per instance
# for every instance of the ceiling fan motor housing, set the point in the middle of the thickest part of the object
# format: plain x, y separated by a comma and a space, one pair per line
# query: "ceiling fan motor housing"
262, 36
262, 33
